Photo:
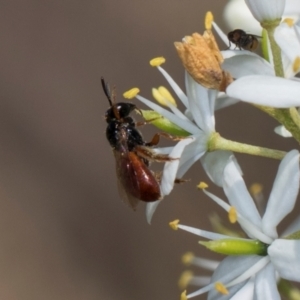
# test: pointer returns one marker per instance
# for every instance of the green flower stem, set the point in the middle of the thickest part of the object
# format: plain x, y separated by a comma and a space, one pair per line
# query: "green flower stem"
287, 117
216, 142
295, 116
270, 26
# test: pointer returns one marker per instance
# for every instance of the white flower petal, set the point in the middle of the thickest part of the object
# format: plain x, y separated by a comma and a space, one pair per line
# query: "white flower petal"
246, 292
238, 195
244, 63
265, 286
285, 256
150, 209
284, 193
178, 91
203, 233
292, 7
169, 175
201, 105
259, 265
266, 90
192, 153
263, 11
214, 163
171, 167
184, 124
223, 101
185, 165
287, 40
230, 268
281, 130
238, 15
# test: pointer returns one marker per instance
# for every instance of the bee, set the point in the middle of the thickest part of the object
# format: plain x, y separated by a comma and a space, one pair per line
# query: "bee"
243, 40
136, 181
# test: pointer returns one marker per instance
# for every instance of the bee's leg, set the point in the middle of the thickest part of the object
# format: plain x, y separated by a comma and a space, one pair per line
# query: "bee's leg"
229, 45
156, 138
158, 176
181, 180
149, 155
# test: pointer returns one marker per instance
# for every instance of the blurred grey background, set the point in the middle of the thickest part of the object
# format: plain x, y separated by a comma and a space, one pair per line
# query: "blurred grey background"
64, 232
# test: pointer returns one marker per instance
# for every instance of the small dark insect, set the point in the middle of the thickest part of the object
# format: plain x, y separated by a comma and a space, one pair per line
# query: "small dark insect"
243, 40
133, 155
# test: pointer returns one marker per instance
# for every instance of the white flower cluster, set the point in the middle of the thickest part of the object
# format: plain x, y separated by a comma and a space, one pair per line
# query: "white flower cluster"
259, 82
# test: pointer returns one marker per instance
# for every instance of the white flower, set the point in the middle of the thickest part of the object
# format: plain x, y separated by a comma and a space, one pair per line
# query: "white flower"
187, 278
198, 120
282, 256
255, 78
266, 90
238, 15
287, 36
263, 10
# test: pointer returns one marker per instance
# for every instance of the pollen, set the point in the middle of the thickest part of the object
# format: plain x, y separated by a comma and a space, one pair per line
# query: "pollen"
131, 93
157, 61
174, 224
296, 64
220, 287
185, 279
163, 96
232, 215
209, 18
289, 21
187, 258
183, 296
202, 185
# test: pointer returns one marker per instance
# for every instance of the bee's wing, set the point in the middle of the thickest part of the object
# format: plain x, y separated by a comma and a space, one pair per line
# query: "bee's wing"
127, 179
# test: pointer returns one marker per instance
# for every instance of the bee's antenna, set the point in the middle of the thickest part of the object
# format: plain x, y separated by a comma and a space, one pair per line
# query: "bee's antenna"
106, 90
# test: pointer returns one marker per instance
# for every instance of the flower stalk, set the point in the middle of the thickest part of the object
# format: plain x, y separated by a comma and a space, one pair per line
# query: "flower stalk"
216, 142
287, 117
270, 27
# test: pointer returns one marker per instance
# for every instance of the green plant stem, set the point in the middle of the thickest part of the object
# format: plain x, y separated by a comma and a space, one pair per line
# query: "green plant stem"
270, 26
284, 117
295, 116
216, 142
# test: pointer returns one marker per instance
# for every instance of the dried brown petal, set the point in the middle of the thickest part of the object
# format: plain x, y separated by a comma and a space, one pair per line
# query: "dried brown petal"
202, 59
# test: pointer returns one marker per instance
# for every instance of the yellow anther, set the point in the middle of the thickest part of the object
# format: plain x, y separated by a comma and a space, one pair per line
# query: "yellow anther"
131, 93
174, 224
232, 215
163, 96
220, 287
185, 279
183, 296
187, 258
289, 21
256, 188
296, 64
208, 20
157, 61
202, 185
